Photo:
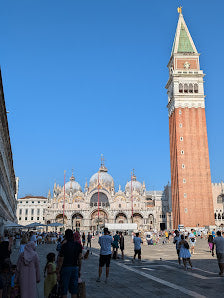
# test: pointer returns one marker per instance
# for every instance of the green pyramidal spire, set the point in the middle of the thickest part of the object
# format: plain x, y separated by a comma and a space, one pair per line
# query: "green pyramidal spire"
183, 42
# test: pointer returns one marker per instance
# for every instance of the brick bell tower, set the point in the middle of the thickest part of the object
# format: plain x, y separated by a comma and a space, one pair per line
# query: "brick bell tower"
191, 188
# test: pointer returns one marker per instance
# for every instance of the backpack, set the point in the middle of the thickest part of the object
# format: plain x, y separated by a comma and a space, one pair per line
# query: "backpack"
186, 245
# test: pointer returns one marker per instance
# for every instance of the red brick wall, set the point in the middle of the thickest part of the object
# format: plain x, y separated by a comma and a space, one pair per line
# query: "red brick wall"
196, 209
194, 63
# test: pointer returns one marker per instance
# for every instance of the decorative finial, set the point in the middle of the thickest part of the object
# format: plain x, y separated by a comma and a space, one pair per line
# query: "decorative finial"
72, 177
102, 167
133, 175
179, 9
102, 160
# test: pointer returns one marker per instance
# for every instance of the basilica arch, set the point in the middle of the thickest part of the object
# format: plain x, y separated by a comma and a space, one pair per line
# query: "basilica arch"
98, 222
59, 219
121, 218
103, 200
77, 221
138, 218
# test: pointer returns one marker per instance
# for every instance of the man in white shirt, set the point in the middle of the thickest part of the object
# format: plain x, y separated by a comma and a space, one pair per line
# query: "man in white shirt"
105, 242
137, 246
219, 243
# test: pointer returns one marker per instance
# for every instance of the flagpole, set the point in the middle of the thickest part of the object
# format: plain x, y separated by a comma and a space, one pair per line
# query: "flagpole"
98, 203
131, 198
64, 201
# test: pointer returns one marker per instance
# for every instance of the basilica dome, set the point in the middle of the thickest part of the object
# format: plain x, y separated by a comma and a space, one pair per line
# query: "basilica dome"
134, 184
105, 179
72, 186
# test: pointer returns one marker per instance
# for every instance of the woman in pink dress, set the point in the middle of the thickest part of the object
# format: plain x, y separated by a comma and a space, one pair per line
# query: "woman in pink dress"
28, 271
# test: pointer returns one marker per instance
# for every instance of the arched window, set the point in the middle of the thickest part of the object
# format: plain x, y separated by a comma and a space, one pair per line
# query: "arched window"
219, 199
223, 215
190, 88
195, 88
185, 88
102, 199
180, 88
215, 216
219, 216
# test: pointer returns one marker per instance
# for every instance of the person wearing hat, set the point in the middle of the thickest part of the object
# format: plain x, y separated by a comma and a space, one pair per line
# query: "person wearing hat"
105, 243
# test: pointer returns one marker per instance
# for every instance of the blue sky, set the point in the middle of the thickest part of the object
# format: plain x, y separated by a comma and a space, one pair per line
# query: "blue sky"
87, 77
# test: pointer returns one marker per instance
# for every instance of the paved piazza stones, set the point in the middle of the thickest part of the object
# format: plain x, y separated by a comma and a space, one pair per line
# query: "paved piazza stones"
157, 275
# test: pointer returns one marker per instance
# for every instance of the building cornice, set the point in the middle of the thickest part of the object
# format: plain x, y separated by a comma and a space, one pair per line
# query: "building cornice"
185, 103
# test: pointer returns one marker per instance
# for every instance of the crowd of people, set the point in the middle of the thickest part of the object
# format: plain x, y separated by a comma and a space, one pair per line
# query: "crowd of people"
185, 248
62, 272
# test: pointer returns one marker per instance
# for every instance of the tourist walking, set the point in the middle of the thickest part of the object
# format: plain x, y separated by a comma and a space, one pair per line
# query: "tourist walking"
219, 244
137, 246
122, 245
77, 238
83, 239
167, 236
28, 271
115, 244
210, 241
50, 274
89, 240
5, 252
105, 243
23, 243
176, 241
184, 252
192, 240
69, 265
33, 238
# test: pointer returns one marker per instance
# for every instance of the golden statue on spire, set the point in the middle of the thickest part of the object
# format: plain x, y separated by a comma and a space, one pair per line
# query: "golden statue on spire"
179, 9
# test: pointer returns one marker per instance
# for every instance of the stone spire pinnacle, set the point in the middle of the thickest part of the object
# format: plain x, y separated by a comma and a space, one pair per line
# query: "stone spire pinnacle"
183, 42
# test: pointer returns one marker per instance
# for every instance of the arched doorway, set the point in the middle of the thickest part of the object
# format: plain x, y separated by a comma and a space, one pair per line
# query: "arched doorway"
138, 218
59, 219
121, 218
98, 223
77, 221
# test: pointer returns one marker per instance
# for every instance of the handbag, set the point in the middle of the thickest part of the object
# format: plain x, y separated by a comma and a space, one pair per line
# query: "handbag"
56, 291
82, 290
